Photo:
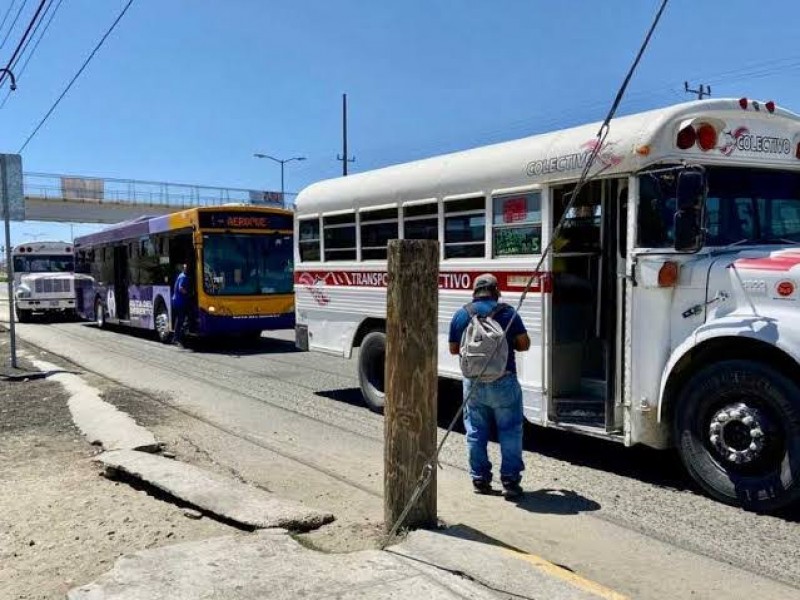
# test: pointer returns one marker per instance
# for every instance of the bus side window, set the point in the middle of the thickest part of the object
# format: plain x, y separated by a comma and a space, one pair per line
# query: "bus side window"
421, 221
309, 242
340, 237
377, 228
517, 224
465, 228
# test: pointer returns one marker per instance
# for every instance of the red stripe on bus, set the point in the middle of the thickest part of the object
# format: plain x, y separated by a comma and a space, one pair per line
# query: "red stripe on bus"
782, 263
507, 281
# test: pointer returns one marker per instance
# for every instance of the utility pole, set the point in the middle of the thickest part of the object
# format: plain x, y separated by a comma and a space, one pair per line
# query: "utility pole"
344, 157
9, 264
411, 382
703, 91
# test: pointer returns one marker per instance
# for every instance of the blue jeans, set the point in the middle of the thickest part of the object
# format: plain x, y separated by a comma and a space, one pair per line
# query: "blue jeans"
499, 401
180, 321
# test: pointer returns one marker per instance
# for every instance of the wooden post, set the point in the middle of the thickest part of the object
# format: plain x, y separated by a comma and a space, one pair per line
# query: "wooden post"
411, 378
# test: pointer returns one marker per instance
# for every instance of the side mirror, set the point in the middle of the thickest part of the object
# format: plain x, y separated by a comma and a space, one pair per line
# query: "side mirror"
691, 195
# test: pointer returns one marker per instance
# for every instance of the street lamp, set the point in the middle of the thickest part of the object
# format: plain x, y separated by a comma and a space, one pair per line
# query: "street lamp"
281, 162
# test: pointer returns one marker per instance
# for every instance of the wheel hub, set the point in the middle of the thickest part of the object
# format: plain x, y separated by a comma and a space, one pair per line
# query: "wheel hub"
737, 433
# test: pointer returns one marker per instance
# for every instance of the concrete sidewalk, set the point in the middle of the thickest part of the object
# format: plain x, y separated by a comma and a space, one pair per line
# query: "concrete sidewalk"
271, 565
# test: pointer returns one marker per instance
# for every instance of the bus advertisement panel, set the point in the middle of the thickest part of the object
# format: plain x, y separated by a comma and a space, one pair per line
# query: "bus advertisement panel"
239, 261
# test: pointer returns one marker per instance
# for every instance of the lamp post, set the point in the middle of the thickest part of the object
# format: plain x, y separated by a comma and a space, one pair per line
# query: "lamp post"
282, 162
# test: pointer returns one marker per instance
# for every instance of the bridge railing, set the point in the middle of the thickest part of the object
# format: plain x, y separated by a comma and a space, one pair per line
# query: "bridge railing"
50, 186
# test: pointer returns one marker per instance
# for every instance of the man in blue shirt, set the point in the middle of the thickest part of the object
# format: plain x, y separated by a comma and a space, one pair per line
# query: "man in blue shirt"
180, 302
498, 401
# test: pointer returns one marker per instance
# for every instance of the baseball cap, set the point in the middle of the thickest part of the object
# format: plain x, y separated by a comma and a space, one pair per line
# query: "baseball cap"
483, 285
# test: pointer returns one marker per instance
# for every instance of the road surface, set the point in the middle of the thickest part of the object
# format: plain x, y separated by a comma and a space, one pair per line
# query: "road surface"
293, 422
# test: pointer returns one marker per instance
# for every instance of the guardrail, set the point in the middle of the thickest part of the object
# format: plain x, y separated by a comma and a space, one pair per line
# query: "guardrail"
77, 188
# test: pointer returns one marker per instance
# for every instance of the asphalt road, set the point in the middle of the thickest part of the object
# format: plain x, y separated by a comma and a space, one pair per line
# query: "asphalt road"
293, 422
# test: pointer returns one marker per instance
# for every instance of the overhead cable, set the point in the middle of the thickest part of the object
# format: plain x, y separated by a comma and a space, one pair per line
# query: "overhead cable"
33, 51
78, 74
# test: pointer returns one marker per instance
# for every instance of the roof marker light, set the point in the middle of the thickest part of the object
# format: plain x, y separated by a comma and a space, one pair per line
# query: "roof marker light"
686, 137
643, 150
743, 103
770, 106
706, 137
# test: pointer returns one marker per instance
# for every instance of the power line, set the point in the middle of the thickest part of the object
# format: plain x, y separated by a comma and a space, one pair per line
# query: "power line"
35, 46
78, 74
22, 41
29, 40
8, 12
14, 23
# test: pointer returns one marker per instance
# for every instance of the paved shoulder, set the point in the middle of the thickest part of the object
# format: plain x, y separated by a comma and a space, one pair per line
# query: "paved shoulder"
219, 495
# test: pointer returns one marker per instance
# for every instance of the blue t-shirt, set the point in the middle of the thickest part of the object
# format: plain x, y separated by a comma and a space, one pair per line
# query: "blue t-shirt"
483, 307
179, 299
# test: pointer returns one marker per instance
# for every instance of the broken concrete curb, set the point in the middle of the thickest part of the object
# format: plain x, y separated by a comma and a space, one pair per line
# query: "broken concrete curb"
102, 423
271, 565
215, 494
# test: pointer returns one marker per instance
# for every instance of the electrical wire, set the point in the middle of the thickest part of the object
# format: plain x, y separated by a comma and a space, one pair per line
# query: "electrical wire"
429, 467
8, 12
14, 23
78, 74
22, 41
29, 40
33, 51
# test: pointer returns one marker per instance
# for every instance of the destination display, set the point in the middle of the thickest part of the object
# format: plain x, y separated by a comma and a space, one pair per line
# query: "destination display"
244, 220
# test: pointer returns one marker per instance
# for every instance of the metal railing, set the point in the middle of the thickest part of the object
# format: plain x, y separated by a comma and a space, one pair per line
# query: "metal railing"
76, 188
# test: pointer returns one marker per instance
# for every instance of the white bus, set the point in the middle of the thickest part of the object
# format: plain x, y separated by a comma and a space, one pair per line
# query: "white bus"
44, 279
668, 313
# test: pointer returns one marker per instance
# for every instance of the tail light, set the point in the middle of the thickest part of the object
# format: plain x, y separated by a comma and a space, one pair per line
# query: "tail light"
686, 137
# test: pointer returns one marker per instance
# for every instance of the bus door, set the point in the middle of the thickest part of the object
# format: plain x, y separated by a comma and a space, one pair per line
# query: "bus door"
584, 322
121, 282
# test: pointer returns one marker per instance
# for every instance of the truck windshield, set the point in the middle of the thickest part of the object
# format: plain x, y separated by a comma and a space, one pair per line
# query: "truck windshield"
247, 264
744, 206
44, 263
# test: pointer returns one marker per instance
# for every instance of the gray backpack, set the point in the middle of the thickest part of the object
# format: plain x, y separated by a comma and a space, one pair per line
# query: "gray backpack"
484, 349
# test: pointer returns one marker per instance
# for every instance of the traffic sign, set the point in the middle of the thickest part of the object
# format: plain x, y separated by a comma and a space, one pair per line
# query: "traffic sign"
13, 187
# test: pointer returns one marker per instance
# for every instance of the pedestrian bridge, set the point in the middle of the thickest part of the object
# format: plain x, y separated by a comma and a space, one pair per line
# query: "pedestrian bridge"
78, 199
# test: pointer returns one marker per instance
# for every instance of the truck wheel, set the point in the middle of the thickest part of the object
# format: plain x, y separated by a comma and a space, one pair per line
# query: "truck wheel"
371, 365
99, 313
23, 316
737, 428
162, 324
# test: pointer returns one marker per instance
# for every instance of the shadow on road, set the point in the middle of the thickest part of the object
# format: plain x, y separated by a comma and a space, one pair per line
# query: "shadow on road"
555, 502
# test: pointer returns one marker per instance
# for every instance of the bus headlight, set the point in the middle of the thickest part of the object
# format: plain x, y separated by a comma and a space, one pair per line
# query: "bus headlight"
23, 292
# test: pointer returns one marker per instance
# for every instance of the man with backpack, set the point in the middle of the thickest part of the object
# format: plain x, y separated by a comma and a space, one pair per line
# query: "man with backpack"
478, 335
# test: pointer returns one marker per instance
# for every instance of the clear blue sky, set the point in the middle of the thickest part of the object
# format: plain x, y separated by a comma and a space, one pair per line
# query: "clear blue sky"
187, 90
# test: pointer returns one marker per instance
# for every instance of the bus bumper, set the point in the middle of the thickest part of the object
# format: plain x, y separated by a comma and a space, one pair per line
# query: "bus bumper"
242, 324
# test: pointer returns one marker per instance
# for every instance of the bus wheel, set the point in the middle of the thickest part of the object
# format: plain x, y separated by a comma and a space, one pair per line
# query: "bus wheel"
371, 365
99, 313
23, 316
737, 428
162, 323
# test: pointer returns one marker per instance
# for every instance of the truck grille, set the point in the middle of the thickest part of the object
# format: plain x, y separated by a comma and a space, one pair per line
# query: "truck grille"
53, 285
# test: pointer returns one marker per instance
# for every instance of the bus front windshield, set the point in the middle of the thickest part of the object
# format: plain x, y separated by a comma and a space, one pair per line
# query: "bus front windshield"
247, 264
744, 206
44, 263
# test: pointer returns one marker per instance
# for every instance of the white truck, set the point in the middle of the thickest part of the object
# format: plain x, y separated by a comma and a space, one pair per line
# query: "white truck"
44, 279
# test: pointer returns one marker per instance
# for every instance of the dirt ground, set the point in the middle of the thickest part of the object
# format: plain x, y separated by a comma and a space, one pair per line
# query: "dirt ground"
61, 523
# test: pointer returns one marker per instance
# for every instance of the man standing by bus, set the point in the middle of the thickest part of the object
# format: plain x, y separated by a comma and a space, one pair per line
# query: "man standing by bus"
180, 302
498, 400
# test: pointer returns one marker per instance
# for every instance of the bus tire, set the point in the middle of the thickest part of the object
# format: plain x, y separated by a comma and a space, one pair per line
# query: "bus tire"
99, 313
737, 429
161, 322
23, 316
371, 365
